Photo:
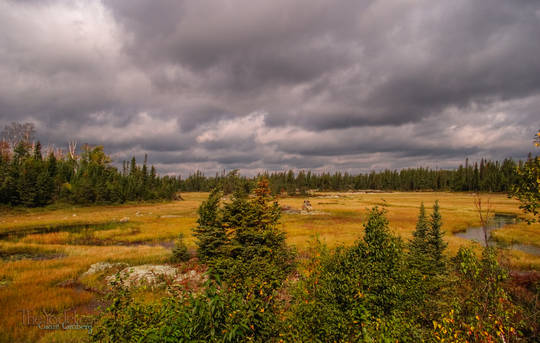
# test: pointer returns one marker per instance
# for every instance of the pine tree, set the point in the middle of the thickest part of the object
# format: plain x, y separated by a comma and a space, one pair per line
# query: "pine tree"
418, 246
256, 252
436, 244
145, 177
37, 152
254, 224
386, 276
236, 212
133, 166
419, 235
241, 241
210, 235
20, 154
26, 185
425, 262
44, 188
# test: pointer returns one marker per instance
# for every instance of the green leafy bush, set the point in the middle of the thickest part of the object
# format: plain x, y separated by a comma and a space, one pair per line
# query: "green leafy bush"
216, 315
480, 309
361, 293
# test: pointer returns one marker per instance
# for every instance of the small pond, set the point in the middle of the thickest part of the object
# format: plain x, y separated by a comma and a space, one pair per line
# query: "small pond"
16, 234
498, 221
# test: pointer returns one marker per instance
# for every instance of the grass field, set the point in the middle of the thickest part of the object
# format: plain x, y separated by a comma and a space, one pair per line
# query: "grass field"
46, 248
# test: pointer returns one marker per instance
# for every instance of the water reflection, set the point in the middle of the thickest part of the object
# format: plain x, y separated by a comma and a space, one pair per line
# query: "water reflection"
498, 221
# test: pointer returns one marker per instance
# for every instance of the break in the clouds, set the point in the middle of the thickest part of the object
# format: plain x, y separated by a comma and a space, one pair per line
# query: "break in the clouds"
319, 84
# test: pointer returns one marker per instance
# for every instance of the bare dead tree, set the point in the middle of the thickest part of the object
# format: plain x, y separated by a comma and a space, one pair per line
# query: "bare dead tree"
484, 210
16, 133
28, 132
49, 149
72, 149
59, 153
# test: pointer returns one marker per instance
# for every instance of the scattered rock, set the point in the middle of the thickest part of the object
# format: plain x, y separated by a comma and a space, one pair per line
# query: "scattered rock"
74, 214
289, 210
154, 275
307, 206
124, 220
313, 213
170, 216
158, 275
307, 210
191, 276
102, 266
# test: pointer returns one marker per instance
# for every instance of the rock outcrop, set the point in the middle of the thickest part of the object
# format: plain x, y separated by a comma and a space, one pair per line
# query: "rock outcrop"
307, 206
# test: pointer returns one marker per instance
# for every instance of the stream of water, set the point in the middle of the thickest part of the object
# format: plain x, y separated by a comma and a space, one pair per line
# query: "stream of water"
498, 221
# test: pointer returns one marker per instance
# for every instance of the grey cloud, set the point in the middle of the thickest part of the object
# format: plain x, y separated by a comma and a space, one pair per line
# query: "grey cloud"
341, 84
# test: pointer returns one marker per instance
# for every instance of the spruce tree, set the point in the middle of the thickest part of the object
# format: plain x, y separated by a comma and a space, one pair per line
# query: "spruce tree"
20, 154
133, 166
210, 235
37, 152
254, 224
26, 185
385, 275
241, 241
44, 188
257, 254
418, 243
436, 244
144, 171
418, 246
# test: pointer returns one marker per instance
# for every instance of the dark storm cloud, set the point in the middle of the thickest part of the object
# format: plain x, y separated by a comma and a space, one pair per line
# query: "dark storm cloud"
283, 84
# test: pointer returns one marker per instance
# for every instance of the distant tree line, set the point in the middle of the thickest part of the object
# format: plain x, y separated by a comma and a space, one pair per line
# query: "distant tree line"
31, 177
486, 176
28, 177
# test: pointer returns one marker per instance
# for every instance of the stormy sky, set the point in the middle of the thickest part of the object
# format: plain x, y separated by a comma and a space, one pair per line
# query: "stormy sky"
348, 85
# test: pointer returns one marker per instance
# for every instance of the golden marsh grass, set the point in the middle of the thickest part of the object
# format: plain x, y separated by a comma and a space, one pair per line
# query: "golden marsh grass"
32, 281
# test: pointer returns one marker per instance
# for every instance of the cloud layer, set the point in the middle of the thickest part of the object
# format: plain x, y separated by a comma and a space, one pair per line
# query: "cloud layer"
319, 84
